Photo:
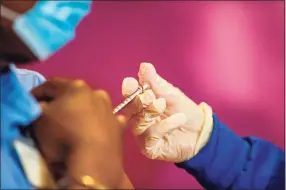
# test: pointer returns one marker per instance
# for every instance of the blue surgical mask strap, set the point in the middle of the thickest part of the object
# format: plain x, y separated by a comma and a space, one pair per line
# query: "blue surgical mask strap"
8, 13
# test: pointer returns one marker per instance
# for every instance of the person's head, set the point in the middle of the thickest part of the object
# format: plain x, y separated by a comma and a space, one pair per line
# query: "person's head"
12, 48
34, 30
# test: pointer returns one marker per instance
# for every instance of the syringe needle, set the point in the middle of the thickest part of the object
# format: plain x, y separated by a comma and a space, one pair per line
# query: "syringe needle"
131, 97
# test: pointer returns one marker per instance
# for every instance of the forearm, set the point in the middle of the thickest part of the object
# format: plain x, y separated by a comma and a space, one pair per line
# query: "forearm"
231, 162
85, 162
125, 183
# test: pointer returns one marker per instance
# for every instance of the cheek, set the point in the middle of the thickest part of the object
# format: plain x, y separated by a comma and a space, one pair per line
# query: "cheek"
12, 48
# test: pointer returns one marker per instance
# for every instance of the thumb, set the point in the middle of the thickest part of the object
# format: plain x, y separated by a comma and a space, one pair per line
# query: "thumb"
160, 87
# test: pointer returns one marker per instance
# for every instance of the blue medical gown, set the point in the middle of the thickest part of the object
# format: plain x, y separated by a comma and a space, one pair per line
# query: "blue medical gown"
18, 109
231, 162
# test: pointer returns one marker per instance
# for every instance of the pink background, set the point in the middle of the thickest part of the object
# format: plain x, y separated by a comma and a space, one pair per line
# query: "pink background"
229, 54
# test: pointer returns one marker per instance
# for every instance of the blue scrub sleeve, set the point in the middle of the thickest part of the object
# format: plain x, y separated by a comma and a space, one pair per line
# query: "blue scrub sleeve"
231, 162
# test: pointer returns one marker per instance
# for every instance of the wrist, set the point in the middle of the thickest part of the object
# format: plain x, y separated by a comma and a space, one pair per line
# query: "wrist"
206, 128
87, 159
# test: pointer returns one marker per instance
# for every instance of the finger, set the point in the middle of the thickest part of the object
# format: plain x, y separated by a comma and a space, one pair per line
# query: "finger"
122, 121
149, 116
140, 103
129, 86
156, 108
102, 94
147, 97
47, 145
167, 125
50, 89
161, 88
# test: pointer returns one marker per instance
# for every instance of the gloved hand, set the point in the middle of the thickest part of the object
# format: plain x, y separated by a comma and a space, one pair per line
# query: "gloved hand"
172, 127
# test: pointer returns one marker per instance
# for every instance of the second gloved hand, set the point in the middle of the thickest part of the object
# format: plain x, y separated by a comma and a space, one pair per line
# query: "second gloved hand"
172, 127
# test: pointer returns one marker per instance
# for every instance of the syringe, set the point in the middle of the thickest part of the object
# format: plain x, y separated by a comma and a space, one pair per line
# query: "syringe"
131, 97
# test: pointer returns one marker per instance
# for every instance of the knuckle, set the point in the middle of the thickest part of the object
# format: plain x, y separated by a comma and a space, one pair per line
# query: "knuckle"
103, 95
78, 83
80, 86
